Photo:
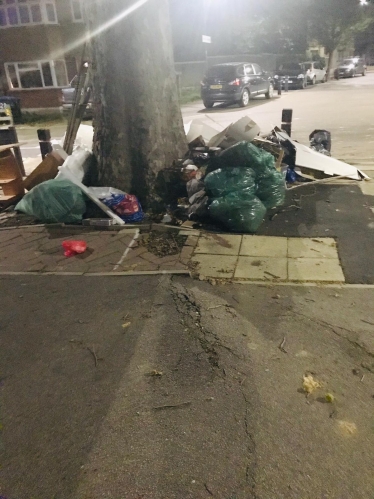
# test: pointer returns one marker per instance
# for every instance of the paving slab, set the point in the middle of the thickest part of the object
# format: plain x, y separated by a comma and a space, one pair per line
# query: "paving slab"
264, 246
219, 244
367, 187
261, 268
219, 266
315, 269
339, 211
304, 247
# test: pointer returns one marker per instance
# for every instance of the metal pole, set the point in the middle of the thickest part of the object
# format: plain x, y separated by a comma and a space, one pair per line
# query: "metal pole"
44, 137
287, 121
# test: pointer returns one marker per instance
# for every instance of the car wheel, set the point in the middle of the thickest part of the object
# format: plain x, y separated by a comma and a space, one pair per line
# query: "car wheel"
303, 84
324, 79
314, 80
244, 101
270, 93
208, 104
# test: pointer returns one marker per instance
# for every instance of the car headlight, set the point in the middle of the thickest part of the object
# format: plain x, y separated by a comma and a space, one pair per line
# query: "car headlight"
276, 76
301, 76
8, 112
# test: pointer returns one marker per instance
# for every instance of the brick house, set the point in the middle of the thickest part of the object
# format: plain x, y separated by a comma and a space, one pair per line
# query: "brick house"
34, 39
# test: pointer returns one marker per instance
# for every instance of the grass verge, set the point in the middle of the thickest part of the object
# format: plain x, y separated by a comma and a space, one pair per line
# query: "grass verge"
188, 95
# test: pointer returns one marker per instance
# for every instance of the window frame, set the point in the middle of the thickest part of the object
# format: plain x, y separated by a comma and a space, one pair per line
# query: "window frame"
39, 64
249, 66
257, 69
80, 2
19, 4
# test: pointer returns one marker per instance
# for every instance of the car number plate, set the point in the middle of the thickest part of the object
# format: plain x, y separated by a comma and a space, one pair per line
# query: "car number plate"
215, 87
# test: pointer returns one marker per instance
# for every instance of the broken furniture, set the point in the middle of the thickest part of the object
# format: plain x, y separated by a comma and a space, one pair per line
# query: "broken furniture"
46, 170
11, 181
9, 136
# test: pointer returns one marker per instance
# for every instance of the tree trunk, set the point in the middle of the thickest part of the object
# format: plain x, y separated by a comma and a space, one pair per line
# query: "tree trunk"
332, 59
137, 118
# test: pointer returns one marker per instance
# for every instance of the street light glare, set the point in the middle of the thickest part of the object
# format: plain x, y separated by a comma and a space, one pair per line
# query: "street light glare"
103, 27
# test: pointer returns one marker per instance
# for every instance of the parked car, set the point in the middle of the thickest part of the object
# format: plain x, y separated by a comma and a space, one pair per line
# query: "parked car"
315, 72
68, 96
235, 82
350, 68
294, 73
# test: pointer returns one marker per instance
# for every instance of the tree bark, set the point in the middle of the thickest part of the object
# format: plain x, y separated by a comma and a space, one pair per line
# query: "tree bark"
330, 66
137, 117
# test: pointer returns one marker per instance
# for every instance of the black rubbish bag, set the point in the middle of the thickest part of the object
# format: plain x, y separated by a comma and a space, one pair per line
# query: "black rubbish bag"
320, 140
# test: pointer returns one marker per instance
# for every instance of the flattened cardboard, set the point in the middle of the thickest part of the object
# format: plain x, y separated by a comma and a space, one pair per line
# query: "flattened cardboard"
313, 160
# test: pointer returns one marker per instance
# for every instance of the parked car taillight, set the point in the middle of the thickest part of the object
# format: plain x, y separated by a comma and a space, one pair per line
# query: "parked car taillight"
235, 82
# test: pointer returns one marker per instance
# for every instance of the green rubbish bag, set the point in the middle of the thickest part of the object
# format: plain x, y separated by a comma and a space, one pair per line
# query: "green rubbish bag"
238, 211
244, 154
225, 180
271, 190
54, 201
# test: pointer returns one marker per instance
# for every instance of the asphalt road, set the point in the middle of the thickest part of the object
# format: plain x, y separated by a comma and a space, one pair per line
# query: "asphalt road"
194, 399
344, 107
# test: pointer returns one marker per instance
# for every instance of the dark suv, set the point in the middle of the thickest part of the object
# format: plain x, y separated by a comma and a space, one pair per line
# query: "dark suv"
235, 82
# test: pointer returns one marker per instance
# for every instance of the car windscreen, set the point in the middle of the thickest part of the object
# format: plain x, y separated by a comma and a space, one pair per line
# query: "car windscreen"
224, 72
306, 66
291, 67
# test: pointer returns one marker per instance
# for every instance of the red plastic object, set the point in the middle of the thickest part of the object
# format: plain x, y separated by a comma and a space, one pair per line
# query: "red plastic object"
128, 206
74, 247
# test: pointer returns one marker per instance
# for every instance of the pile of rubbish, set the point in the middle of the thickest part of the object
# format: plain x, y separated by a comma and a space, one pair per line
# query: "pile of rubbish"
234, 176
58, 192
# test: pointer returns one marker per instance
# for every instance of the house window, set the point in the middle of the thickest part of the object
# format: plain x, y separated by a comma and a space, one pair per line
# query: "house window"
36, 74
27, 12
77, 10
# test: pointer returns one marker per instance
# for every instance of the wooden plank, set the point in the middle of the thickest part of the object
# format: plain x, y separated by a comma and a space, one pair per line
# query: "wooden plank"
9, 146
